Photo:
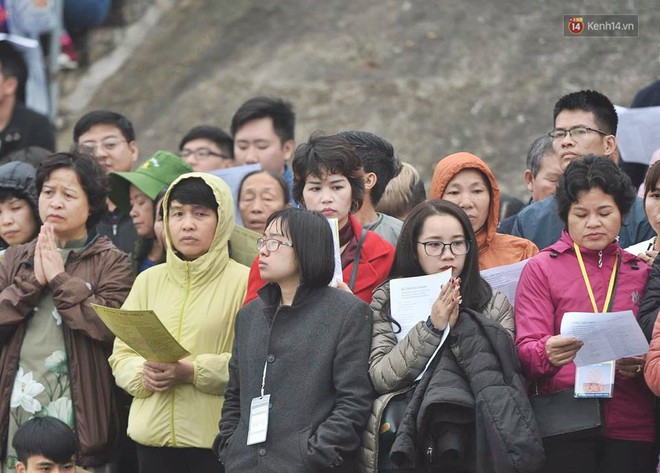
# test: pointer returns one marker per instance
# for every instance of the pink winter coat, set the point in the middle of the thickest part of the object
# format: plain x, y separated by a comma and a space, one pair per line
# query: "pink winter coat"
550, 285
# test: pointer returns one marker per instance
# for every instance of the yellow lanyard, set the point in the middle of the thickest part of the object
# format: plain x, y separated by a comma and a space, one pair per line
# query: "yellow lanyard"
610, 289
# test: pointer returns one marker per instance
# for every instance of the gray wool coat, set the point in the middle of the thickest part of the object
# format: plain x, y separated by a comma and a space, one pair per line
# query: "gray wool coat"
317, 352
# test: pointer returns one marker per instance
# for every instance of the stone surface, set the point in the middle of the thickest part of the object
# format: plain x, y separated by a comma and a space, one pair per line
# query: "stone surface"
432, 77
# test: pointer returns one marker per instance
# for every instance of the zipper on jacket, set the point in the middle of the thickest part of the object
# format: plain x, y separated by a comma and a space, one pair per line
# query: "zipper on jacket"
429, 454
600, 259
114, 229
178, 339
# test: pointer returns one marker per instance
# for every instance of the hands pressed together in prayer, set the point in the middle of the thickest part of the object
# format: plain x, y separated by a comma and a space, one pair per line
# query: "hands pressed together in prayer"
445, 307
48, 261
159, 377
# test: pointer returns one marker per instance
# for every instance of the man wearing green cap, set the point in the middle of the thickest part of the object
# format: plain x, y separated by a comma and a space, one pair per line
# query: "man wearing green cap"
136, 193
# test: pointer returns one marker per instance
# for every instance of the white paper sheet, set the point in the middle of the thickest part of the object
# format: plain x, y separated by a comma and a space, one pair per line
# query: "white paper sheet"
609, 336
637, 134
505, 279
337, 275
641, 247
411, 299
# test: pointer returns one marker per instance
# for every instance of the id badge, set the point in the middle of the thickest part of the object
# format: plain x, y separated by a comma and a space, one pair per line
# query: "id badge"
258, 426
594, 380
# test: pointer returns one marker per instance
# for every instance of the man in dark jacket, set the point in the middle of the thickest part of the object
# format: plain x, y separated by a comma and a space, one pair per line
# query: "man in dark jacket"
111, 137
20, 127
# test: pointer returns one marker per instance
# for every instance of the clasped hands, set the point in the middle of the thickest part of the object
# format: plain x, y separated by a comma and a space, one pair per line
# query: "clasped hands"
445, 307
561, 351
48, 261
159, 377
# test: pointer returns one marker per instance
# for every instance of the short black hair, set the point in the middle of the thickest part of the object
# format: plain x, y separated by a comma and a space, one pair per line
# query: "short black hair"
594, 102
104, 117
91, 175
280, 111
211, 133
46, 436
13, 65
330, 154
277, 176
540, 148
193, 191
592, 172
377, 156
312, 242
475, 291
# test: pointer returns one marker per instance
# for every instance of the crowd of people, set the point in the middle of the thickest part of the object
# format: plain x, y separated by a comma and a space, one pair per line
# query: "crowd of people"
296, 364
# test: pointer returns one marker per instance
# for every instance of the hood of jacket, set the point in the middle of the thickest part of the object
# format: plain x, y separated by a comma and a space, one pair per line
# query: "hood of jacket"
19, 177
214, 260
451, 165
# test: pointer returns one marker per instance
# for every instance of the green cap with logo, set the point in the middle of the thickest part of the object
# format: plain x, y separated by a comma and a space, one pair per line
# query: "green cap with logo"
153, 175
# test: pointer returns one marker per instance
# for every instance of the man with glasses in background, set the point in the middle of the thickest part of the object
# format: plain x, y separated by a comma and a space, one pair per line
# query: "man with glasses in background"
207, 148
111, 138
585, 123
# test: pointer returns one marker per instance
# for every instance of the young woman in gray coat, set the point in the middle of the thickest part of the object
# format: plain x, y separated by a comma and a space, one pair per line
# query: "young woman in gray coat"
301, 352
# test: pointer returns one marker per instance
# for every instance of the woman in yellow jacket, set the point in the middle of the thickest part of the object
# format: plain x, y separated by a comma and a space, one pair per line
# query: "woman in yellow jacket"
196, 294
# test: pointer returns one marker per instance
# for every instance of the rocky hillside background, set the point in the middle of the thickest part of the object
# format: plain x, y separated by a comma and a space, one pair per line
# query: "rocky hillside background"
432, 77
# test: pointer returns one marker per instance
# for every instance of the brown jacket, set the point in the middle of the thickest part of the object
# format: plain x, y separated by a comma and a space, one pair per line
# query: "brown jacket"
100, 274
495, 249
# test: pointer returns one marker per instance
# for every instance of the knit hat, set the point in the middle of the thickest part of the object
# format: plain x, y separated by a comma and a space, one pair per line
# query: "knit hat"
150, 178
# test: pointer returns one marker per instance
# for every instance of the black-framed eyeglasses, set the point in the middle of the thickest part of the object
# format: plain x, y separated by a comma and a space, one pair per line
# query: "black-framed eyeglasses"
437, 248
577, 132
272, 244
201, 154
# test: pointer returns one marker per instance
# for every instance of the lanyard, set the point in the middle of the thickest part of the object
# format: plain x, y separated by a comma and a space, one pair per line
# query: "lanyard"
585, 276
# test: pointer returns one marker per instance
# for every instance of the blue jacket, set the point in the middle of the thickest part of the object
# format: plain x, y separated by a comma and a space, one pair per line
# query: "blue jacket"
540, 223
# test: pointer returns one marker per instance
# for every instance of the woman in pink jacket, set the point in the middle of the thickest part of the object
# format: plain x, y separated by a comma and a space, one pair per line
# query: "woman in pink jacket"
575, 275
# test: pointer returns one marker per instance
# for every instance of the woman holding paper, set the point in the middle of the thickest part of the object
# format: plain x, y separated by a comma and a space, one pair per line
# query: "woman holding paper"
436, 236
54, 346
328, 178
587, 271
196, 294
298, 367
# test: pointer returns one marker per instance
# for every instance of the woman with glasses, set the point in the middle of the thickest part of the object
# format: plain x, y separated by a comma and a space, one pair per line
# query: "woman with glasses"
55, 348
196, 294
328, 178
587, 271
436, 236
298, 365
467, 181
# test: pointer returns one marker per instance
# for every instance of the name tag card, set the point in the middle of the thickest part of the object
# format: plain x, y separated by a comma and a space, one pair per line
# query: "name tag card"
258, 427
594, 380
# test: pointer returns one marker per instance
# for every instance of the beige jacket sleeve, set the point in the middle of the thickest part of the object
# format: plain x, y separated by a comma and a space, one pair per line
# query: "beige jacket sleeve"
500, 310
392, 364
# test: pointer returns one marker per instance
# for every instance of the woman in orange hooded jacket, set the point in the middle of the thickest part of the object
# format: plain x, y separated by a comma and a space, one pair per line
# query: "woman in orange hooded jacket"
467, 181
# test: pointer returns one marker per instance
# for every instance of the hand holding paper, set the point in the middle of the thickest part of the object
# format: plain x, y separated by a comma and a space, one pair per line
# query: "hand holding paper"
609, 336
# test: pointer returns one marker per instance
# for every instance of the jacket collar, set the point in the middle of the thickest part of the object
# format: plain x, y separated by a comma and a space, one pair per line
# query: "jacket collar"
565, 244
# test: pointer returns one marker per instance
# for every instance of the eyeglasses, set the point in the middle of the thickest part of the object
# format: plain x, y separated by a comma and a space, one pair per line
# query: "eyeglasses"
272, 244
201, 154
437, 248
577, 132
108, 145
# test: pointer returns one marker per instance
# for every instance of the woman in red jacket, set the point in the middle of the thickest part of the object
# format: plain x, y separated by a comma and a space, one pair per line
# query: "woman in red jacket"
328, 178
